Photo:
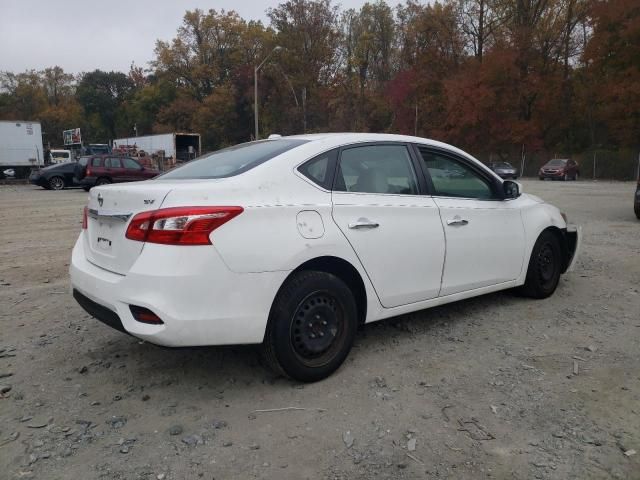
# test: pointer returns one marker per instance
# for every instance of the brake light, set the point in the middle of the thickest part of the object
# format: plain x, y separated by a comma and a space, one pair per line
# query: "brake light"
88, 171
180, 225
84, 218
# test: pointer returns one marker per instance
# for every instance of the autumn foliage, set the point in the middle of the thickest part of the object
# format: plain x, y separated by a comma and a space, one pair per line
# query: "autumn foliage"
494, 77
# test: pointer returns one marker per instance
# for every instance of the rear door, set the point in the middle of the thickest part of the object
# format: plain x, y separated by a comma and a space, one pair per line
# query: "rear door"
380, 205
113, 168
484, 234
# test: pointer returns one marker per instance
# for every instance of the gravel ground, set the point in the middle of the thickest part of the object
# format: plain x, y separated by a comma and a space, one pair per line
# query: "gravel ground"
493, 387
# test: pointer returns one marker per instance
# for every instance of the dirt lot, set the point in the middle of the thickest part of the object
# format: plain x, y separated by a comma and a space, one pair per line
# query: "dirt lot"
485, 388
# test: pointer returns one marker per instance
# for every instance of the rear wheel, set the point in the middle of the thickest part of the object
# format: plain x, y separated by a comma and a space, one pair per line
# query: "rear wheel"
56, 183
102, 181
86, 189
545, 264
312, 326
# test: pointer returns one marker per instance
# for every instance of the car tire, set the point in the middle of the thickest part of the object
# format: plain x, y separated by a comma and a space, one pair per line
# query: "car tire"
56, 183
565, 177
636, 209
86, 189
575, 177
102, 181
312, 326
545, 264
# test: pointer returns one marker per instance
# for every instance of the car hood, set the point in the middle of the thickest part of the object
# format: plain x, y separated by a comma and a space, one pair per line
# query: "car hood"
533, 198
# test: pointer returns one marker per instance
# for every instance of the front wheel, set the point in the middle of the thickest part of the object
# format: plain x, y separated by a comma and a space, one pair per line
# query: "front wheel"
565, 177
575, 177
545, 264
311, 327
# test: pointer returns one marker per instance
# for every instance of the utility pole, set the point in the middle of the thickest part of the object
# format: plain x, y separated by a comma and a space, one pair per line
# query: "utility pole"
255, 89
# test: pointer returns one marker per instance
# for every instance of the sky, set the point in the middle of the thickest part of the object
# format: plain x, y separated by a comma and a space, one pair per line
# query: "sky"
84, 35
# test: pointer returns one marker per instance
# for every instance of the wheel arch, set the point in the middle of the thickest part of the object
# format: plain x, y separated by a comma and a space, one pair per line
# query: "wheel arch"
342, 269
562, 241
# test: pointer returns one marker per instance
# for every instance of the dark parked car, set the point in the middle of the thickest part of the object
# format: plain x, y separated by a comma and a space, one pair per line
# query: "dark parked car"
504, 169
636, 203
55, 177
560, 169
102, 169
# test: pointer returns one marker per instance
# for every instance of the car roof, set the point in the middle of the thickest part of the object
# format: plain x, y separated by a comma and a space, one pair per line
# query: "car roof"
344, 138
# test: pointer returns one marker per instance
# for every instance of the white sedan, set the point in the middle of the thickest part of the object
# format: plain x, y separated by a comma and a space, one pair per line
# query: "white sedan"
293, 242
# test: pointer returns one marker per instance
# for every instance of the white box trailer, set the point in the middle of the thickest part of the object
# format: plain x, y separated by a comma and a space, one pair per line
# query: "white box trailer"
20, 146
178, 146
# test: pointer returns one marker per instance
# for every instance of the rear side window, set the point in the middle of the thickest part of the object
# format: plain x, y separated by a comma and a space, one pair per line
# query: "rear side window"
83, 161
112, 163
320, 169
96, 162
233, 160
377, 169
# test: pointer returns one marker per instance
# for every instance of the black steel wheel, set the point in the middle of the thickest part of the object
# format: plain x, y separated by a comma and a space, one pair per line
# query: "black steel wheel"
545, 265
56, 183
311, 327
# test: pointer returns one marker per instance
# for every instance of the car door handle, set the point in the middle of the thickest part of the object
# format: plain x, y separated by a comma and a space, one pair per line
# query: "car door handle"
363, 223
457, 221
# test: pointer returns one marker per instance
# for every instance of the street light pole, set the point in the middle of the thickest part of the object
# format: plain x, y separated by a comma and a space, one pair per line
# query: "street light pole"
255, 88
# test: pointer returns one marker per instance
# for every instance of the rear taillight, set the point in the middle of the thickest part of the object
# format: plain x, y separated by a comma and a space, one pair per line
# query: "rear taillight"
180, 225
84, 217
87, 172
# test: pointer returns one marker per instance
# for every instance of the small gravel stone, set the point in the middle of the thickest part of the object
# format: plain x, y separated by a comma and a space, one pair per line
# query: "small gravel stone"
175, 430
192, 440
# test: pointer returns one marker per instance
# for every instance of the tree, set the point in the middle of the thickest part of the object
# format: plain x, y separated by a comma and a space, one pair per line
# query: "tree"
102, 94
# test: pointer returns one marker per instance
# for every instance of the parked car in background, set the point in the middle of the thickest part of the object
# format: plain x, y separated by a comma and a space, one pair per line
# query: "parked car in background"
636, 203
560, 169
104, 169
294, 242
504, 169
55, 177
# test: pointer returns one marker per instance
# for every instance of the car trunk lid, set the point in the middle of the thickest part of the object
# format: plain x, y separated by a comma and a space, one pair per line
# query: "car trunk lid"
109, 212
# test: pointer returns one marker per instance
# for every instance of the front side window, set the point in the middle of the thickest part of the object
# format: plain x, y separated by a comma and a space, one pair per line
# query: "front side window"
377, 169
130, 164
233, 160
452, 178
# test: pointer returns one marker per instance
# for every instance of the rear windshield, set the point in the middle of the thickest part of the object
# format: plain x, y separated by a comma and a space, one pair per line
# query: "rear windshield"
233, 160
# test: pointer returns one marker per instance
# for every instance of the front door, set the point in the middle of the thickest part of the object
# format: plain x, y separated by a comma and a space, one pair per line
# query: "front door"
484, 234
394, 230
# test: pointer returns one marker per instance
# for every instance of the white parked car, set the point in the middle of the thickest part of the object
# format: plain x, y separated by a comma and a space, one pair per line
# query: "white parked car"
293, 242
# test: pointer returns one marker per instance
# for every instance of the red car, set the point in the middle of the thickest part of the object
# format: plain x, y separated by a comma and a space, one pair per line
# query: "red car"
560, 169
102, 169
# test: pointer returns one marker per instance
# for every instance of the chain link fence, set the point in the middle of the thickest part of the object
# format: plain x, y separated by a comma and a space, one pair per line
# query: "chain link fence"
594, 164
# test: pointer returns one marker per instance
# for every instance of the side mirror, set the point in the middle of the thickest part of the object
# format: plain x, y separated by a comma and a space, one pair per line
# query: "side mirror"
511, 189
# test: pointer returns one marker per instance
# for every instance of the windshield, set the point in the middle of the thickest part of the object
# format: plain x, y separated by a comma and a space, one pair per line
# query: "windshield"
558, 162
233, 160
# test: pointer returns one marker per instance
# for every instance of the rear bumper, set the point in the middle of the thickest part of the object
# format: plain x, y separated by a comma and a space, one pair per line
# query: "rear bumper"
200, 301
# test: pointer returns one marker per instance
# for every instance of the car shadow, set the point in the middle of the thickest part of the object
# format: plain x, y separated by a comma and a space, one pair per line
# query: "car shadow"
202, 367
